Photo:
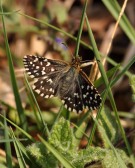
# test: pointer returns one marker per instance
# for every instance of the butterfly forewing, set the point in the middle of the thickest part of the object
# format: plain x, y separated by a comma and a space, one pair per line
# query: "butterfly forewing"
37, 66
46, 71
58, 78
44, 87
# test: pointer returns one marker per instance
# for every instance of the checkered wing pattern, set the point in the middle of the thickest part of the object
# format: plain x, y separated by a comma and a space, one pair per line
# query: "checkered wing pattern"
45, 71
58, 78
81, 95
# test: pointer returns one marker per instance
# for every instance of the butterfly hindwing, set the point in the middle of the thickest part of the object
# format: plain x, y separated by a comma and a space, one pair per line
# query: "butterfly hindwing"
90, 96
82, 95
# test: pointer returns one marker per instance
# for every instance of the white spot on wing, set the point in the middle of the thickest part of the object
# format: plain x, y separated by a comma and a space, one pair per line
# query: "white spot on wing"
35, 71
35, 60
63, 101
87, 93
69, 108
50, 80
47, 96
32, 76
50, 89
82, 86
43, 72
91, 108
87, 107
65, 106
74, 110
44, 77
96, 95
28, 73
51, 96
41, 81
52, 69
33, 87
84, 96
38, 91
42, 94
25, 56
76, 95
27, 69
92, 87
88, 87
48, 63
45, 60
79, 111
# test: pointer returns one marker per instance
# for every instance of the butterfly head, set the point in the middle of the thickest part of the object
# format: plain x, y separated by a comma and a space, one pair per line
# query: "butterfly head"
76, 61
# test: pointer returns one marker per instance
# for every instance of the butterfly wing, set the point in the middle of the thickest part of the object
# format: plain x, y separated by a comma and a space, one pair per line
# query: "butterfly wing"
73, 100
57, 78
90, 96
37, 67
82, 95
46, 72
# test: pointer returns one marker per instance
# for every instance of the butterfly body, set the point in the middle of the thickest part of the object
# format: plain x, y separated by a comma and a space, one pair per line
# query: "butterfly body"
64, 80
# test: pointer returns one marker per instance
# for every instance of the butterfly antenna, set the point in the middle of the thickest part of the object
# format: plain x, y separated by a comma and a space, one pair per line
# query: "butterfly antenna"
68, 49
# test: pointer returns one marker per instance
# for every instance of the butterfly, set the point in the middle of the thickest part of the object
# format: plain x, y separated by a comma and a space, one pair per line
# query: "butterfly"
64, 80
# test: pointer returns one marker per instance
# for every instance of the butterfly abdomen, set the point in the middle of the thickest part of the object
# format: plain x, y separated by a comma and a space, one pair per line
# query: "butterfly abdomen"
66, 83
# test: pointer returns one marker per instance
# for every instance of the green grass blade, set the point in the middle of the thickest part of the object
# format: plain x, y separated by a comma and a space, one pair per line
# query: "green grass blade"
103, 73
81, 129
19, 107
105, 92
123, 71
85, 116
132, 84
58, 116
109, 74
9, 13
34, 110
114, 9
70, 36
120, 161
20, 129
40, 120
40, 5
7, 146
21, 160
80, 29
112, 62
90, 139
